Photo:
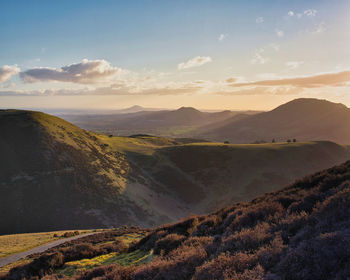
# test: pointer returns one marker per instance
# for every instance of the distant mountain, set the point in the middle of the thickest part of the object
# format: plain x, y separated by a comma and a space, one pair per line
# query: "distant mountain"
163, 123
304, 119
76, 111
55, 175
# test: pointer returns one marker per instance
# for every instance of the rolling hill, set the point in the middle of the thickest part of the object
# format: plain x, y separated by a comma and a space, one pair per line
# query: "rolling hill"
301, 231
305, 119
163, 123
55, 176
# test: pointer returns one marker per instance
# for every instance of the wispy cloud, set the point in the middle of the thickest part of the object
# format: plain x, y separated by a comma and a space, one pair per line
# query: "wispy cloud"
258, 57
222, 37
321, 80
320, 28
274, 46
115, 89
310, 13
260, 90
306, 13
194, 62
294, 64
279, 33
259, 20
85, 72
6, 72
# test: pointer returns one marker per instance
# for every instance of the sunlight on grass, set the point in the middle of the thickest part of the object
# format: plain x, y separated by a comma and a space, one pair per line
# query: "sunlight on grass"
15, 243
8, 267
125, 259
130, 237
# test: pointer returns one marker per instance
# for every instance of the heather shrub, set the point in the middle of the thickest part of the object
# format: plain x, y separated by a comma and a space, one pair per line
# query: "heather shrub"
185, 226
256, 273
38, 268
306, 204
168, 243
179, 264
225, 264
248, 239
209, 243
116, 246
323, 257
291, 224
270, 254
257, 213
299, 232
68, 234
115, 272
208, 226
147, 243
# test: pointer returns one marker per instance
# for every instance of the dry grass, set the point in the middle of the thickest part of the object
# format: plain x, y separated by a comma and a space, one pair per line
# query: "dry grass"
15, 243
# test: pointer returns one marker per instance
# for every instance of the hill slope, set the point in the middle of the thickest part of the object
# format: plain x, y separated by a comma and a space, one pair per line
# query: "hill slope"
55, 175
303, 119
299, 232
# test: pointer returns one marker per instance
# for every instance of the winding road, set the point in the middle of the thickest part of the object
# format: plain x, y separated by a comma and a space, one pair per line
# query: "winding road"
15, 257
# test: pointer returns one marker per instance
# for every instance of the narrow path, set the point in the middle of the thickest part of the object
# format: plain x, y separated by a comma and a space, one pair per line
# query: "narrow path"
15, 257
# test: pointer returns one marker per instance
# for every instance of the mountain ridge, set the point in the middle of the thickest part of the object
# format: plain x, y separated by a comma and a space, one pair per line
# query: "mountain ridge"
305, 119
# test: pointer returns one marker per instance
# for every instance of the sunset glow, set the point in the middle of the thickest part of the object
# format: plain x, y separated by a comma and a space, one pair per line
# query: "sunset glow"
168, 54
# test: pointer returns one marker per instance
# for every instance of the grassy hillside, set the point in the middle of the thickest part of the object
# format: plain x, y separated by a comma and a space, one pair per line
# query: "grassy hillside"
15, 243
299, 232
56, 176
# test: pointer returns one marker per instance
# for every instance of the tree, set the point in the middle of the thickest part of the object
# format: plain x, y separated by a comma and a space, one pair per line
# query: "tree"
294, 140
273, 140
289, 141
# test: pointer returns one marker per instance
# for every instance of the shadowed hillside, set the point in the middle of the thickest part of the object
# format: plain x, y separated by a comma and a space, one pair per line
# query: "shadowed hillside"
55, 175
299, 232
303, 119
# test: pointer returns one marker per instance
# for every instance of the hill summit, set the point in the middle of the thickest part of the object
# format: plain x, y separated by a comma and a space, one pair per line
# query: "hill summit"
305, 119
55, 175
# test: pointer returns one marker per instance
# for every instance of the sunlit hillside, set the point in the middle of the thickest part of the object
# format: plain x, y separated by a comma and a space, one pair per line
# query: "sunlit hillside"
57, 176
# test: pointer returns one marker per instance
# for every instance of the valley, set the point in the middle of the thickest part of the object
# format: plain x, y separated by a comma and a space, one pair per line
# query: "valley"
59, 176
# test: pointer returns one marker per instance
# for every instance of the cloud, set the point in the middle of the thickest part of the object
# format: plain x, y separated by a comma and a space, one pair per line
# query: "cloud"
320, 28
310, 13
114, 89
290, 13
85, 72
260, 90
194, 62
294, 64
231, 80
279, 32
315, 81
275, 47
222, 37
258, 57
6, 72
259, 20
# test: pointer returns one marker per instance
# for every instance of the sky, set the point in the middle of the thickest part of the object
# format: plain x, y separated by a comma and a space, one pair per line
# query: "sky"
219, 54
